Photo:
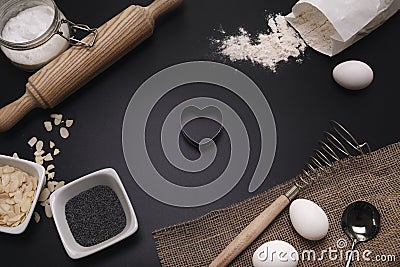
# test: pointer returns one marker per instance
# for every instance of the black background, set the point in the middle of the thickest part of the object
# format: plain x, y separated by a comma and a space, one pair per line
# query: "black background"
303, 98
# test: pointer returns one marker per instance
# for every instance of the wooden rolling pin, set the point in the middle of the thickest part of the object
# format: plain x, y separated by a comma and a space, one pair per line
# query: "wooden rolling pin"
77, 66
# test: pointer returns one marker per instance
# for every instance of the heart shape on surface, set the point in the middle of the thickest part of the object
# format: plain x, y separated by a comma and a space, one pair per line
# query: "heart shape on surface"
201, 125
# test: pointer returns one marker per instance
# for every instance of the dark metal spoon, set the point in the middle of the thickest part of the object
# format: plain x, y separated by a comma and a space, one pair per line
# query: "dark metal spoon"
361, 222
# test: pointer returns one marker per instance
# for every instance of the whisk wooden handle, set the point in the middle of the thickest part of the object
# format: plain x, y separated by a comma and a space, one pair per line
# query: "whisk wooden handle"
78, 65
251, 232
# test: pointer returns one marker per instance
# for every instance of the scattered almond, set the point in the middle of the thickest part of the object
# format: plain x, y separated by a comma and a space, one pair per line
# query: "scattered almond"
50, 167
57, 118
64, 132
68, 123
39, 160
56, 152
38, 153
19, 191
52, 186
48, 157
50, 175
48, 126
44, 195
47, 211
39, 145
36, 217
32, 141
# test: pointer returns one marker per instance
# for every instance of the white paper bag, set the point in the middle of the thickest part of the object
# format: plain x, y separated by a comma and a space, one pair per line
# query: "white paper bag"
330, 26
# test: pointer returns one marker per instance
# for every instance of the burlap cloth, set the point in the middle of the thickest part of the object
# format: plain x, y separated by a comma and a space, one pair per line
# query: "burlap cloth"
374, 178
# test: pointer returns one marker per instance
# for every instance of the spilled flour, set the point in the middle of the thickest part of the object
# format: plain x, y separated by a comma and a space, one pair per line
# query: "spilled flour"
267, 49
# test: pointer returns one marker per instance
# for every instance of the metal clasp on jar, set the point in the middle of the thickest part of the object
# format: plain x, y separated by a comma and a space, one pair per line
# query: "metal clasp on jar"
74, 28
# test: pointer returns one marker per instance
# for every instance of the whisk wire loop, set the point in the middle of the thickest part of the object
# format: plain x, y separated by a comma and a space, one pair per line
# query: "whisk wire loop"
335, 144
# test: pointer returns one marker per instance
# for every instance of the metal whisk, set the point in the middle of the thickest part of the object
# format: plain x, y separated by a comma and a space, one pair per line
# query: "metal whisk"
332, 149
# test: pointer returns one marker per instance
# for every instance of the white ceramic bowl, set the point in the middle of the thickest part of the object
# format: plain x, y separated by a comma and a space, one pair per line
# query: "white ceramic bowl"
59, 198
33, 169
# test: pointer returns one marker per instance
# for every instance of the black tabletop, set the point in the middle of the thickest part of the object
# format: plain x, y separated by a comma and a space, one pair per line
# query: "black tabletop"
303, 98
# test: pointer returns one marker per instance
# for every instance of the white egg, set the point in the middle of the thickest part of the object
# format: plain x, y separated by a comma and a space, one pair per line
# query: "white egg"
353, 75
308, 219
275, 254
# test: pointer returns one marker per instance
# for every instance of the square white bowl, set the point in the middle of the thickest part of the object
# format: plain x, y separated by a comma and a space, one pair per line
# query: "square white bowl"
33, 169
58, 200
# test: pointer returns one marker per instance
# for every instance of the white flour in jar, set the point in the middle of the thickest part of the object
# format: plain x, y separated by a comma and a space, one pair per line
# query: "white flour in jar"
268, 49
28, 25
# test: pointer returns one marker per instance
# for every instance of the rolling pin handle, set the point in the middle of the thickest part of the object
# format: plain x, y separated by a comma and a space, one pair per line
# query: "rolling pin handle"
15, 111
160, 7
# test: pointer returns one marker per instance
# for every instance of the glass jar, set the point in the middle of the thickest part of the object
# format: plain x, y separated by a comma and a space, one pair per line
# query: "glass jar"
34, 32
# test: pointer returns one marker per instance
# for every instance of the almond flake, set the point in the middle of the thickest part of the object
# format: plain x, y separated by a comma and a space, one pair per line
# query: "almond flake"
68, 123
8, 169
39, 160
64, 132
44, 195
36, 217
57, 118
32, 141
29, 194
16, 218
51, 175
52, 144
18, 197
5, 207
17, 209
52, 186
10, 201
50, 167
38, 153
13, 186
53, 115
48, 157
35, 182
26, 204
5, 179
39, 145
48, 126
47, 211
56, 152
